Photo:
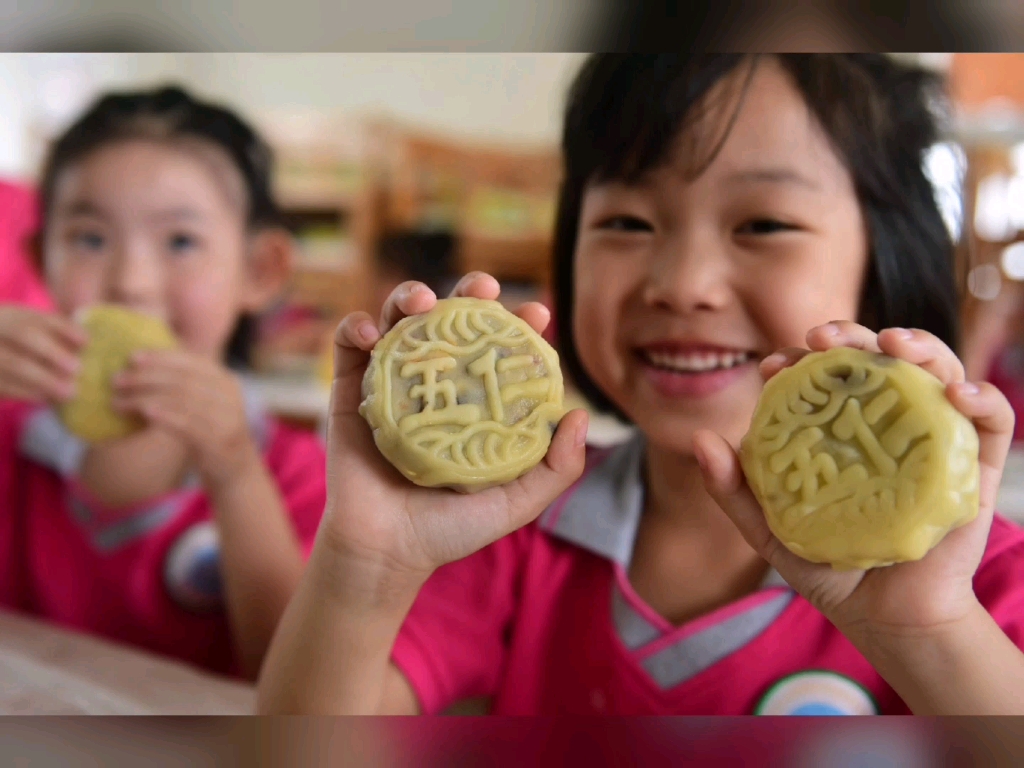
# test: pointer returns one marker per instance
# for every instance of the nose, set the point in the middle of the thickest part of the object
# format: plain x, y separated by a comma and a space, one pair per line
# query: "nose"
133, 279
689, 272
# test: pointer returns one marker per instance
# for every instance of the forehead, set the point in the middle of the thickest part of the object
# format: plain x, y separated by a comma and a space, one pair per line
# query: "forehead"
138, 175
757, 118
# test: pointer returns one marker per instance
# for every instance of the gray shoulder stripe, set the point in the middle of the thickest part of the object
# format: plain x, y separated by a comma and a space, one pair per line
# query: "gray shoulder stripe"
678, 663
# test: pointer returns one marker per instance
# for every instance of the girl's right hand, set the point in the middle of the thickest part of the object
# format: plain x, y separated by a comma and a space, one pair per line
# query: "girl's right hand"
377, 522
38, 355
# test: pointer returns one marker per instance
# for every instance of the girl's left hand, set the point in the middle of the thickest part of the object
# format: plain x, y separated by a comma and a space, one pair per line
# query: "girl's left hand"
198, 400
898, 600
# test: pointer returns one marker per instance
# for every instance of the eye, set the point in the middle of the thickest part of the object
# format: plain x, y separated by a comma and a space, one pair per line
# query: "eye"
625, 224
182, 242
765, 227
88, 241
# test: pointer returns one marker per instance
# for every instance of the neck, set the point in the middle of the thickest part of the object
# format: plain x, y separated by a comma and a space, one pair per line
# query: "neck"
676, 496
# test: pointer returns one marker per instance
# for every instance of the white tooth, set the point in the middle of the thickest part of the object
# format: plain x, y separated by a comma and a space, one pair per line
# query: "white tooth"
709, 361
727, 360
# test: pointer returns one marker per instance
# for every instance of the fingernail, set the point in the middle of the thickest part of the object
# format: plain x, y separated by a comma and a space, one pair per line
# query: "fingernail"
775, 359
902, 333
968, 388
367, 332
702, 461
830, 330
581, 434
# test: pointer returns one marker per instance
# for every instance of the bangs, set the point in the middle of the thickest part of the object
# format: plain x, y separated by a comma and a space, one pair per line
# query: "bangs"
630, 114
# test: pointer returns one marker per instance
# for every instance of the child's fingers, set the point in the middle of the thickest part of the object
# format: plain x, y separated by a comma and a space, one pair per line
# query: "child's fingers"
167, 412
923, 349
25, 375
410, 298
47, 347
536, 315
69, 333
477, 285
562, 466
842, 333
724, 481
784, 358
992, 416
355, 337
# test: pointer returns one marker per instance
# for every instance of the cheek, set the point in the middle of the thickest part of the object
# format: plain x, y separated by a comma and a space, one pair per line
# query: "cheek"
74, 283
792, 301
601, 287
204, 306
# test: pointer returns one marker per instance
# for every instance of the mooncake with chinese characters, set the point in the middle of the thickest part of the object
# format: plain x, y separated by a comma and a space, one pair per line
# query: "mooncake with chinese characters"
114, 335
859, 460
465, 396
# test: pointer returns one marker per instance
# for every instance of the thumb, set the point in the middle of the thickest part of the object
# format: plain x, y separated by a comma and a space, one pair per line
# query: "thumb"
725, 483
562, 466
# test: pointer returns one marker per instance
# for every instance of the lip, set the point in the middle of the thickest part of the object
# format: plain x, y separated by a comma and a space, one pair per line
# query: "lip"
698, 384
688, 347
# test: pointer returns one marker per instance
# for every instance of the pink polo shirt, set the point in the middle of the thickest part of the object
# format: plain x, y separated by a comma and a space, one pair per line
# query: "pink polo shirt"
148, 575
545, 622
19, 282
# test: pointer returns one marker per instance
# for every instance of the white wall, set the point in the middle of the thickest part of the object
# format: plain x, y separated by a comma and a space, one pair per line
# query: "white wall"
508, 97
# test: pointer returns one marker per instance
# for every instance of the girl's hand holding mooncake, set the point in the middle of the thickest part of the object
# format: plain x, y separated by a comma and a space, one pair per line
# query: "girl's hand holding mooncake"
378, 524
39, 355
199, 401
914, 598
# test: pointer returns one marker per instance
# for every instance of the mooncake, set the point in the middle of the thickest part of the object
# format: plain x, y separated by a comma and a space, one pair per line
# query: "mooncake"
465, 396
859, 460
114, 335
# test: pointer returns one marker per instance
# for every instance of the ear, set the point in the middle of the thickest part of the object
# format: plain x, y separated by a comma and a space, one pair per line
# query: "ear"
271, 254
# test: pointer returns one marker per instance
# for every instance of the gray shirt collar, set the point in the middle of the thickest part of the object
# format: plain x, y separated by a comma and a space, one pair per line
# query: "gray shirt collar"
601, 513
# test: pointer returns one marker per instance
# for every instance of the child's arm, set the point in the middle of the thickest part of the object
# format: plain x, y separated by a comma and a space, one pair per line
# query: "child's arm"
261, 561
969, 667
381, 537
920, 623
332, 649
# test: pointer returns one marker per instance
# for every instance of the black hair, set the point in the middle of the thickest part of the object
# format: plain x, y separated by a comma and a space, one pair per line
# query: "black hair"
170, 113
625, 112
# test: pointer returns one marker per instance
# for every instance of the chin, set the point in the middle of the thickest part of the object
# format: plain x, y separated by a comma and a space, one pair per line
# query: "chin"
675, 433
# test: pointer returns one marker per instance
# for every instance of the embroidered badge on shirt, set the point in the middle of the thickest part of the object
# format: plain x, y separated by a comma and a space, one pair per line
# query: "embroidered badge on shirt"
192, 569
817, 693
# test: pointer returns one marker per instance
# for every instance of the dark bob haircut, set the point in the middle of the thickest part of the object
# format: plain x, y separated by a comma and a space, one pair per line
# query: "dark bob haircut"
171, 114
625, 112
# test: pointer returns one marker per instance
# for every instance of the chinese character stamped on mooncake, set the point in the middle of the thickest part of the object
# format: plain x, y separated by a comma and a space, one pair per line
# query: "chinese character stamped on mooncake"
465, 396
859, 460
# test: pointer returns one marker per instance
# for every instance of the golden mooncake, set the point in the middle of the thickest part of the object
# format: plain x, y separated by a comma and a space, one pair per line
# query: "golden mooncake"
465, 396
859, 460
114, 335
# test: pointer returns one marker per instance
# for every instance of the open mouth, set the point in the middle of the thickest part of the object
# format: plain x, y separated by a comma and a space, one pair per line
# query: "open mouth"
695, 362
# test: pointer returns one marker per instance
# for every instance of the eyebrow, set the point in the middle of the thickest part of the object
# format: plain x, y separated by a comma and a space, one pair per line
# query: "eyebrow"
86, 208
179, 213
774, 176
82, 208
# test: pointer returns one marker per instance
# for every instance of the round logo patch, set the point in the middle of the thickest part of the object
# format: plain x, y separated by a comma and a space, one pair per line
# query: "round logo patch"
192, 569
817, 693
